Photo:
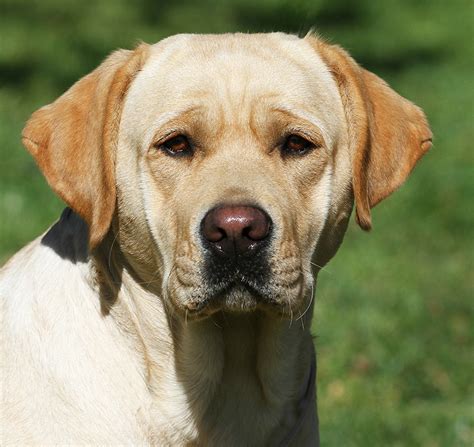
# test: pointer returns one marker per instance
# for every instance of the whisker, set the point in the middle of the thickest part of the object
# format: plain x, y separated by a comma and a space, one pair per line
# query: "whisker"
151, 281
322, 268
109, 257
154, 278
290, 310
215, 323
166, 290
311, 298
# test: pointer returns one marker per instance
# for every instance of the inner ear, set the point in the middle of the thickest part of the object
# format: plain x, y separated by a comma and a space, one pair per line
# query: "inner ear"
74, 139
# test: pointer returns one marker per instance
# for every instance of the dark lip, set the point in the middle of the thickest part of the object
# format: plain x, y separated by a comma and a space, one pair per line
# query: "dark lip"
215, 299
221, 291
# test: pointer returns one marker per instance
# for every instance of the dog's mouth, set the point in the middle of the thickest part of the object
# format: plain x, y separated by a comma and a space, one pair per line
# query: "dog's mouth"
233, 296
244, 283
243, 295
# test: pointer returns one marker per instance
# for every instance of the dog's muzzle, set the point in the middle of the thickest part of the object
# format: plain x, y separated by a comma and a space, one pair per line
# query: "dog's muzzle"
236, 242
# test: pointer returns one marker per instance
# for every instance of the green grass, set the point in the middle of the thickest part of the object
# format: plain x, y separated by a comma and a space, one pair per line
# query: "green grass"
394, 309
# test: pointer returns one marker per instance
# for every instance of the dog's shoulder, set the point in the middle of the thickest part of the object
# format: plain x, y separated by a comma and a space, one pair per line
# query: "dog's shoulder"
48, 261
40, 282
68, 237
66, 240
58, 348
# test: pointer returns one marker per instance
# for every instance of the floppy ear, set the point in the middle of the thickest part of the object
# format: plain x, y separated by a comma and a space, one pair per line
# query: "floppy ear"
388, 133
73, 139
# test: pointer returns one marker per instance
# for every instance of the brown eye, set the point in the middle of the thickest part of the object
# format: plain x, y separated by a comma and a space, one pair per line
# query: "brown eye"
177, 146
296, 145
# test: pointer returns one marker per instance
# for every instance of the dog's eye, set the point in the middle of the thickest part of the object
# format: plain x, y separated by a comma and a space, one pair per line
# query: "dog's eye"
177, 146
296, 145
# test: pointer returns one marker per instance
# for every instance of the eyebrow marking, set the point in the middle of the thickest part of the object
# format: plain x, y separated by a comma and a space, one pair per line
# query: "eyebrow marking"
167, 118
305, 116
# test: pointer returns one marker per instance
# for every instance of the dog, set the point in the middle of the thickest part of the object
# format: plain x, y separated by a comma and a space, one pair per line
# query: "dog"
208, 179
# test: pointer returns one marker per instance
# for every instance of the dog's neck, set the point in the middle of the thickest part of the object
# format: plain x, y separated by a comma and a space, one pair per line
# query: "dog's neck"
249, 368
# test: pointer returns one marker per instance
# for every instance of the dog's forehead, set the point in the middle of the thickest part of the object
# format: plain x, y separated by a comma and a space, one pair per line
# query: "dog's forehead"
232, 71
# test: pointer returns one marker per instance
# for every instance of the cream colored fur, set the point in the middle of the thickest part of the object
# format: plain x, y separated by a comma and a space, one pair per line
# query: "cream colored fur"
99, 342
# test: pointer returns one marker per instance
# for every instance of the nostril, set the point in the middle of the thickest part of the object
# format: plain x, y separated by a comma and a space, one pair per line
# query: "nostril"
246, 232
214, 234
259, 230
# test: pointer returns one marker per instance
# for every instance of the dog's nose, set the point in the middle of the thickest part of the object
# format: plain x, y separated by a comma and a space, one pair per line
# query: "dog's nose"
236, 230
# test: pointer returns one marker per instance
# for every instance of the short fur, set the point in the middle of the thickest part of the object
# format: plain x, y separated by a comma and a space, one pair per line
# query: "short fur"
101, 343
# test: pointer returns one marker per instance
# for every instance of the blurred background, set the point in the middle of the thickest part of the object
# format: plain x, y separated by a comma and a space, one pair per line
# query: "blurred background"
392, 322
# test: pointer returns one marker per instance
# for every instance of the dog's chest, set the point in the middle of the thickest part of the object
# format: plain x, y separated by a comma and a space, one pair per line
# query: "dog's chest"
232, 413
216, 393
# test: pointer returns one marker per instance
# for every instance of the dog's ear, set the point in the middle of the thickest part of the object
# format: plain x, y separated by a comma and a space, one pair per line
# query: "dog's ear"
388, 133
73, 139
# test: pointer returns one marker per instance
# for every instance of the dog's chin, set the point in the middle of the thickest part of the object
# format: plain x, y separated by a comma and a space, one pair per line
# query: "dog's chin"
234, 299
237, 298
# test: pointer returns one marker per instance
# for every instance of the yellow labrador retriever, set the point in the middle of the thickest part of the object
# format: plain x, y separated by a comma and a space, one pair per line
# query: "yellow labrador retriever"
208, 178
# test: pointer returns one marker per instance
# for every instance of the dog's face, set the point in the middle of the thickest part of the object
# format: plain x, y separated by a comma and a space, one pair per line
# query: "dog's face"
236, 158
234, 149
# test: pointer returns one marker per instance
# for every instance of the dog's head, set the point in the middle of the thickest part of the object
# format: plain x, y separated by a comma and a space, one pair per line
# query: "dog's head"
233, 161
